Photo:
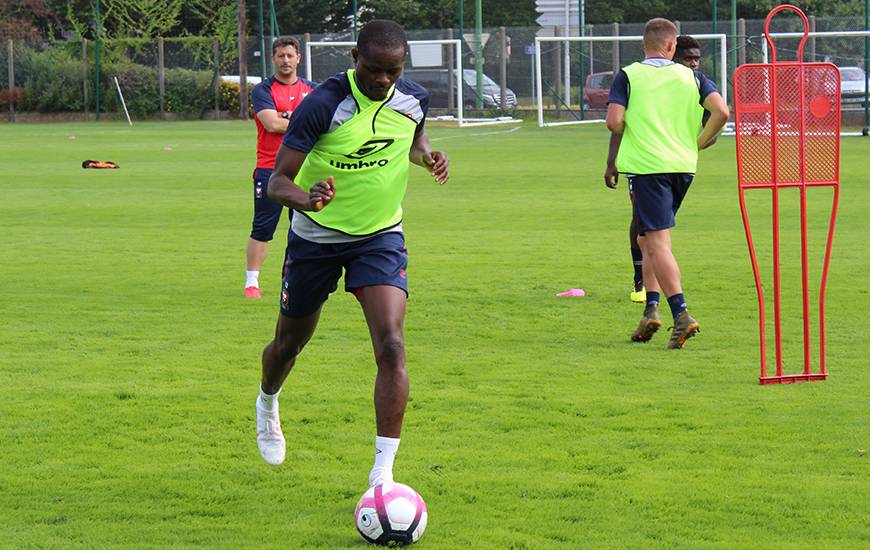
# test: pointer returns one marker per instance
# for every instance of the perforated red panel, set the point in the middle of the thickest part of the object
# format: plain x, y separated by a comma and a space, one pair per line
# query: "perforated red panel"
804, 148
787, 122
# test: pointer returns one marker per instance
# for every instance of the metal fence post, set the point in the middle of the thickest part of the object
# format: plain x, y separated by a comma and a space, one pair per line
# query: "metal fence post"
616, 64
11, 64
243, 62
812, 19
451, 83
502, 74
557, 88
161, 76
217, 81
741, 44
85, 76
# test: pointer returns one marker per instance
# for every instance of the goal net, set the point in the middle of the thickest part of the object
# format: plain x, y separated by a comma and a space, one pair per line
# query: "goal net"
434, 64
561, 62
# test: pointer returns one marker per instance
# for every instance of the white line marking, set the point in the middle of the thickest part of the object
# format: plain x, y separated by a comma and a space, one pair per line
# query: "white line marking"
512, 130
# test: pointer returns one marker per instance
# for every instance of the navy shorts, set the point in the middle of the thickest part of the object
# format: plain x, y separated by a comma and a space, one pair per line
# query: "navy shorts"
312, 270
267, 212
655, 199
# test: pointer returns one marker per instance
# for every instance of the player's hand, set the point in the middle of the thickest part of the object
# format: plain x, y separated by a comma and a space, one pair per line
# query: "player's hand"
438, 165
611, 176
321, 194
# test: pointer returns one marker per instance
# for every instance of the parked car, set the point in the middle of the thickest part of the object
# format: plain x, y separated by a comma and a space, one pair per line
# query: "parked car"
250, 79
436, 81
596, 90
853, 81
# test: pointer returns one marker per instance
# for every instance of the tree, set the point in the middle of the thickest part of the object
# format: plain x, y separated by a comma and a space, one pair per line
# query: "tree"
27, 20
143, 18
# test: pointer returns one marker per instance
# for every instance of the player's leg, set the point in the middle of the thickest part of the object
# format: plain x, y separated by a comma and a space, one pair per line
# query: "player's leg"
663, 264
279, 355
256, 255
267, 213
638, 292
376, 275
651, 209
685, 326
310, 275
384, 308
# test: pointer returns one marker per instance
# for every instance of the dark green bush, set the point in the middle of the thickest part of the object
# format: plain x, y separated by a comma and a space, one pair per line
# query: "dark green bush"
138, 84
52, 83
187, 91
52, 80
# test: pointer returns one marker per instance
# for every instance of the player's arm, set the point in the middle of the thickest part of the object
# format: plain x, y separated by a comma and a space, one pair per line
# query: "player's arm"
611, 175
715, 104
704, 120
273, 121
435, 161
616, 118
284, 190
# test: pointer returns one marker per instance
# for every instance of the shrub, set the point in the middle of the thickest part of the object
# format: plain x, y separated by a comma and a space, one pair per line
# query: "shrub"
229, 101
138, 84
52, 78
187, 91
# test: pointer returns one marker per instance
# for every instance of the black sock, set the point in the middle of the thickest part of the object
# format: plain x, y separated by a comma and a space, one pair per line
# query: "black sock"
652, 299
677, 303
637, 259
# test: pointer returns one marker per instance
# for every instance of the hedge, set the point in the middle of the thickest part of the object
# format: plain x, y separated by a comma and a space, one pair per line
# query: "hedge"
51, 82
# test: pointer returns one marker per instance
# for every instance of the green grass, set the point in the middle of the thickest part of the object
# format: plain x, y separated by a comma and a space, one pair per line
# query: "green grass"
129, 360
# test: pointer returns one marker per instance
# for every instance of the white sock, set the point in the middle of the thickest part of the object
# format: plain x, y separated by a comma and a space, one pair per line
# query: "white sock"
252, 278
269, 402
385, 454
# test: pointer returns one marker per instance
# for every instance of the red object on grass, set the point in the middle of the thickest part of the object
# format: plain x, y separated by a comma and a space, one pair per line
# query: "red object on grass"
787, 124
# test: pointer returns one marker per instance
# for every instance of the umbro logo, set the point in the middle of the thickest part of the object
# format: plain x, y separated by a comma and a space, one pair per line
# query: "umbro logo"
370, 148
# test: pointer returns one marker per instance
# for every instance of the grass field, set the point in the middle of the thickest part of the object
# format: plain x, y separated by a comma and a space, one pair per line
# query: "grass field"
129, 360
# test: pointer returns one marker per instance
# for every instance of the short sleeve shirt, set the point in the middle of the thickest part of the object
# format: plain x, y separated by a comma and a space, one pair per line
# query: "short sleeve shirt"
274, 94
620, 90
329, 106
332, 103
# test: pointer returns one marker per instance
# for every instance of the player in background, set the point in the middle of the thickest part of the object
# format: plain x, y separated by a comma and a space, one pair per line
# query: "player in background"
688, 53
343, 167
656, 105
274, 100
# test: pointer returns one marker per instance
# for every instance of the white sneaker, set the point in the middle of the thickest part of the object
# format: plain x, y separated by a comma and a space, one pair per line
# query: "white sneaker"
379, 476
270, 440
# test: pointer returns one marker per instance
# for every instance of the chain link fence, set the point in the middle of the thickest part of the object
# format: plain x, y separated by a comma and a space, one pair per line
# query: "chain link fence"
181, 77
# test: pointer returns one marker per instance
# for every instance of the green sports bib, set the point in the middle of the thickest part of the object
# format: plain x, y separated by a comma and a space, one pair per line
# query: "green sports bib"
661, 122
368, 157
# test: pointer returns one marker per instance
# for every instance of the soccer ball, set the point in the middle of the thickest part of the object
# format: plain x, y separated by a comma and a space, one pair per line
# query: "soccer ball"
390, 514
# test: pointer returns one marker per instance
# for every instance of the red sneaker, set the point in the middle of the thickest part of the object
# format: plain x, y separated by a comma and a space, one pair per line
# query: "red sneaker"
252, 292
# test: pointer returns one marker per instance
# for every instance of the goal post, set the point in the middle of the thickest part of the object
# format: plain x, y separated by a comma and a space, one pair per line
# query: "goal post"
566, 102
442, 75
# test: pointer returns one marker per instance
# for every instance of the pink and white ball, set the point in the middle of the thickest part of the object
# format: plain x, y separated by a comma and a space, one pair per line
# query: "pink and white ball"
391, 513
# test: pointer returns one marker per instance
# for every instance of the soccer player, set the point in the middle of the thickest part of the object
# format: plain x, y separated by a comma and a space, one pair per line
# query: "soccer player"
343, 167
274, 100
688, 53
656, 105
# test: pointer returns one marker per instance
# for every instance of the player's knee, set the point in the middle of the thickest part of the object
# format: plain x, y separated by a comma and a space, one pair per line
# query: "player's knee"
287, 348
390, 350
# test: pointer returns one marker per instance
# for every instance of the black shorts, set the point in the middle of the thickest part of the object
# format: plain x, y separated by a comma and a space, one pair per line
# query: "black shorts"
267, 212
655, 199
312, 270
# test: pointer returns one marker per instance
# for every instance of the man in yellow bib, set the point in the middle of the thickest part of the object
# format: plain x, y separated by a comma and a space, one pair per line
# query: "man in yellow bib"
657, 106
343, 168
